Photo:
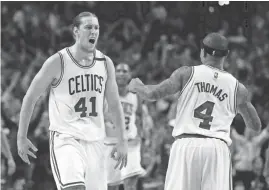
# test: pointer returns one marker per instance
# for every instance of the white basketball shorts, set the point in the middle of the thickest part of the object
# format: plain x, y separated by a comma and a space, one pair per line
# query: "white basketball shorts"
199, 164
133, 167
77, 163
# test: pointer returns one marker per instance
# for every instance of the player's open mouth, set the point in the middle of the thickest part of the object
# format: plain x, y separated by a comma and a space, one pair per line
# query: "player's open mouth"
92, 41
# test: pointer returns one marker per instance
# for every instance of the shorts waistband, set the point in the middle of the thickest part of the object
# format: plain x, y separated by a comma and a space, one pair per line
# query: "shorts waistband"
106, 142
183, 136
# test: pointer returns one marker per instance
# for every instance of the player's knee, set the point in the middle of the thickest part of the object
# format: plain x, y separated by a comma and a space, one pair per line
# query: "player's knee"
79, 187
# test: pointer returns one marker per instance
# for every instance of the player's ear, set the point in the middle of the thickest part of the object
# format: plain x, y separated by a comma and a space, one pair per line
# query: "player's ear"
75, 31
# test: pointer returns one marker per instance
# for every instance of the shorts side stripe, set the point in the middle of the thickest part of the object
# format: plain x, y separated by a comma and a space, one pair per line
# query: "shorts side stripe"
54, 165
79, 183
56, 168
230, 174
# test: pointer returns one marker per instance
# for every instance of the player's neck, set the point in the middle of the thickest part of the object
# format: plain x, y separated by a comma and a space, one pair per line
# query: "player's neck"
80, 54
122, 91
214, 64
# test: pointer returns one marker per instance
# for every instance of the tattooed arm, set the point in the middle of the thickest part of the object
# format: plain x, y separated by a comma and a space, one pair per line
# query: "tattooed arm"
247, 110
172, 85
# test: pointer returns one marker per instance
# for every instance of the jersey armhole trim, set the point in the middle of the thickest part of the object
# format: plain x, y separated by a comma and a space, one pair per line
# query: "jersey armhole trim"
100, 59
62, 71
105, 64
235, 97
191, 76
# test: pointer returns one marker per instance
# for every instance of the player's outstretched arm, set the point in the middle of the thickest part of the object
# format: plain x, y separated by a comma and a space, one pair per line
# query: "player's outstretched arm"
247, 110
170, 86
7, 153
48, 74
113, 100
262, 137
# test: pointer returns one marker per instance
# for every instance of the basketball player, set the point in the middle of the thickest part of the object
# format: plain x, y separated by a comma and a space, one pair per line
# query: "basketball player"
79, 78
208, 101
5, 150
132, 108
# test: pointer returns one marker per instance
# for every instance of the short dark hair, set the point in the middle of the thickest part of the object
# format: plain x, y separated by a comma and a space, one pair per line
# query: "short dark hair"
77, 19
215, 44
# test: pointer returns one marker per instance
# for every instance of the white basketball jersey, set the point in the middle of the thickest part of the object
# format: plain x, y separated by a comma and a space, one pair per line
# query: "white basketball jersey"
207, 104
129, 104
76, 101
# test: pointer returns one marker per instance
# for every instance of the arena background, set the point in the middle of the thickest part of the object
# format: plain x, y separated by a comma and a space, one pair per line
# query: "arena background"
154, 38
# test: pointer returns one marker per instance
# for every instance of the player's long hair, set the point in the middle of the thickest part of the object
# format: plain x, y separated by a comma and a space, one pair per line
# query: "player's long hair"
77, 20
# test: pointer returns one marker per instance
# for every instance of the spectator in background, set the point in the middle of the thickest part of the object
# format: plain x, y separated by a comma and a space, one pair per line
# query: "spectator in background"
159, 26
19, 182
5, 150
258, 183
247, 149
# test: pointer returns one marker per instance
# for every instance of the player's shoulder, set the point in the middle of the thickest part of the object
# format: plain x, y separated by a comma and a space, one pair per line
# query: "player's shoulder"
100, 55
242, 94
54, 61
242, 89
183, 71
108, 61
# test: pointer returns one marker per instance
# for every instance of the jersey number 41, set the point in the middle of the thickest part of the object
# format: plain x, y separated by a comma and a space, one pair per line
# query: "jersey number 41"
81, 107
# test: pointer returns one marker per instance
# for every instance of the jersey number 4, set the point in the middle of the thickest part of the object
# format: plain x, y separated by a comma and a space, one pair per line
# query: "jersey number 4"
81, 107
207, 116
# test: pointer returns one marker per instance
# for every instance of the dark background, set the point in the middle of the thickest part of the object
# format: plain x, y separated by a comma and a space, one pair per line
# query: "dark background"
154, 38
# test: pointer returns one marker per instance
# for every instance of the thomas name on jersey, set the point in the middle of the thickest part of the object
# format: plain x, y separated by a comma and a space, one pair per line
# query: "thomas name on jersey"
86, 82
209, 88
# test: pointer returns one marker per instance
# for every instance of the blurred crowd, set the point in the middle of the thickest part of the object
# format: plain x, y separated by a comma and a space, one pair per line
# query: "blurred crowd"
154, 38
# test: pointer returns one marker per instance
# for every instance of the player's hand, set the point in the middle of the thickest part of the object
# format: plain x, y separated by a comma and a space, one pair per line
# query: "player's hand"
135, 83
119, 153
11, 166
24, 146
